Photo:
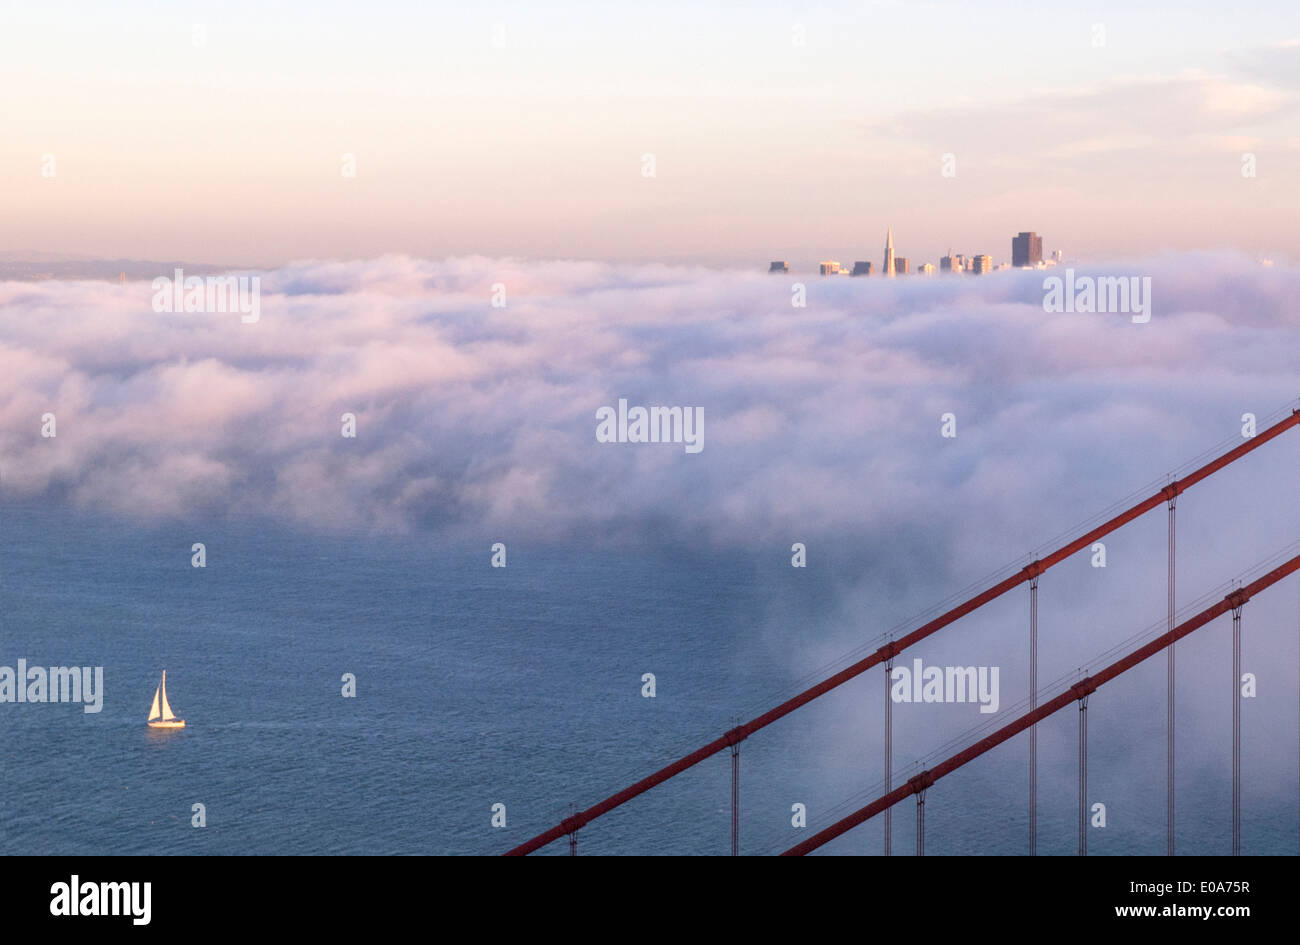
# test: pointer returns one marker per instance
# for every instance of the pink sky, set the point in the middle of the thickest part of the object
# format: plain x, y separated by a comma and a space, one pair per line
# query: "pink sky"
141, 133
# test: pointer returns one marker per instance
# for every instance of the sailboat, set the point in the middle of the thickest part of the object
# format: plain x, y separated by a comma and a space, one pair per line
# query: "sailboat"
166, 718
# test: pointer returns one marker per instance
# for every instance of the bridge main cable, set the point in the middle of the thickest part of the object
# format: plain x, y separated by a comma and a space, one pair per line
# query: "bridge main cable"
894, 647
1076, 693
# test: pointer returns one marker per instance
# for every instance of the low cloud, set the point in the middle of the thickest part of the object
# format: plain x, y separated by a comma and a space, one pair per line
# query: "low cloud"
474, 420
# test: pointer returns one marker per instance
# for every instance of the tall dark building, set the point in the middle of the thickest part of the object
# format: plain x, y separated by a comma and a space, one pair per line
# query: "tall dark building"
778, 266
861, 269
1027, 250
900, 265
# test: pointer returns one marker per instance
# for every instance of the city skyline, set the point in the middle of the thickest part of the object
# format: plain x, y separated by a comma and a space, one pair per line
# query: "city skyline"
1026, 253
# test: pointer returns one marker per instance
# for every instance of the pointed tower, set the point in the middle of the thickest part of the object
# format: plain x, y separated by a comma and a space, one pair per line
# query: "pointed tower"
889, 252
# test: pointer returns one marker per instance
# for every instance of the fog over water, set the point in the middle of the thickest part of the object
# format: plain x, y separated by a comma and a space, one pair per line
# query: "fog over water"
477, 424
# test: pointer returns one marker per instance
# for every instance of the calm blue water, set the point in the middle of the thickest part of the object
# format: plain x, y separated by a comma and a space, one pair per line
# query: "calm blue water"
479, 686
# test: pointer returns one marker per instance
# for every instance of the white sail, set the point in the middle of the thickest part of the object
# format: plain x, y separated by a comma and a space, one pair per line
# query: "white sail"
153, 712
166, 709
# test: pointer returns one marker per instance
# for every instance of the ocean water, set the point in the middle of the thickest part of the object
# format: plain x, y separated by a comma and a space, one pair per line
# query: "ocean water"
477, 686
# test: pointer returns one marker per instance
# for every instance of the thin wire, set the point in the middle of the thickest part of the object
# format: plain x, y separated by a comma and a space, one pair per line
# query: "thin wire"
975, 733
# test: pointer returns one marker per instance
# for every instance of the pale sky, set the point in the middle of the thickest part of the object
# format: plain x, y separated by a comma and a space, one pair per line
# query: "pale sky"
793, 131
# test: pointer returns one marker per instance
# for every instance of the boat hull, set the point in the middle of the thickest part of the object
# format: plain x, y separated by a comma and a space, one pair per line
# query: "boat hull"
174, 723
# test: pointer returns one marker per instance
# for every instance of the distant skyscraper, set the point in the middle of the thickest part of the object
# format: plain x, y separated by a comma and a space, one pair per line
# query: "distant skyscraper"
778, 266
982, 263
830, 268
1056, 254
888, 268
927, 269
900, 265
950, 263
861, 269
1027, 250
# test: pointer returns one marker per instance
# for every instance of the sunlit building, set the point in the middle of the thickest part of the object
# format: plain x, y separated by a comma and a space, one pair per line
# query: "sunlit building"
1027, 250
